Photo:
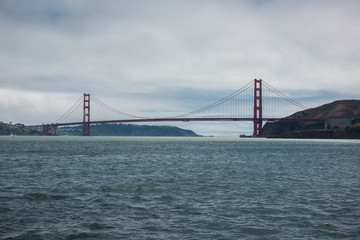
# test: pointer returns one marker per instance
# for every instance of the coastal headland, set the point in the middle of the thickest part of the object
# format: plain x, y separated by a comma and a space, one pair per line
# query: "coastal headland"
342, 121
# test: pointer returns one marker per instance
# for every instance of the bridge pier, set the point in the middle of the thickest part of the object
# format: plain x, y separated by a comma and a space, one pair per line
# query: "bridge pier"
49, 130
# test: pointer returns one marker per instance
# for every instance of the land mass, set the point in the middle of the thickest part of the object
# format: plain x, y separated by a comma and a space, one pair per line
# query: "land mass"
342, 121
16, 129
103, 130
128, 130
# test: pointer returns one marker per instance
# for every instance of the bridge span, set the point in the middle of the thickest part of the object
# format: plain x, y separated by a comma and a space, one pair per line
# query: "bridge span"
208, 113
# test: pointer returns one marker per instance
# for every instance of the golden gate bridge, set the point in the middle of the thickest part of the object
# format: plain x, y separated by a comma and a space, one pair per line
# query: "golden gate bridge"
256, 102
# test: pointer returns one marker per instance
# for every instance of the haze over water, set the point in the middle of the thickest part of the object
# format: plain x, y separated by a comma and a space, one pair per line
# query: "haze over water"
178, 188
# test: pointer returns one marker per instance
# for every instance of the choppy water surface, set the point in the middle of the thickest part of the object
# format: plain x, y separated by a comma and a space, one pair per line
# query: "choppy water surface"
178, 188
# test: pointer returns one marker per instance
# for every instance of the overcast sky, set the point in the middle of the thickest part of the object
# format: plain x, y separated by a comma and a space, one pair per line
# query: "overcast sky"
172, 56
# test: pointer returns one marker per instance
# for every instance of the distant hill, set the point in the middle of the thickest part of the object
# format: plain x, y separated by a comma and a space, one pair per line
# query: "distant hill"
338, 109
341, 111
128, 130
16, 129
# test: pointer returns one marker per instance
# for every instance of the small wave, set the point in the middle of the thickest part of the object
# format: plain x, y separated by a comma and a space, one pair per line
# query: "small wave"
4, 209
99, 226
257, 231
44, 196
87, 235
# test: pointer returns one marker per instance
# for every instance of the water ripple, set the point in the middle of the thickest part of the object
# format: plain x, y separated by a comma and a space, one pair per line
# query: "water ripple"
118, 188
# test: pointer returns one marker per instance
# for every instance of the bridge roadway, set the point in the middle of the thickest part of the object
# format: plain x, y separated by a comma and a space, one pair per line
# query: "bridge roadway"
140, 120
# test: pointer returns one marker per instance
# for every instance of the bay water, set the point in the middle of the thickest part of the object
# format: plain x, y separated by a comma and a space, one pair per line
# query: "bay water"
178, 188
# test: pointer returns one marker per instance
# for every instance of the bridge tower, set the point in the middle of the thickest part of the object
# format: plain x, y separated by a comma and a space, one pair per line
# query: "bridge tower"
257, 120
86, 115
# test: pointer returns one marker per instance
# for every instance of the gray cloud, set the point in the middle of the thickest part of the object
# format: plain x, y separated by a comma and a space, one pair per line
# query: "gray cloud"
127, 48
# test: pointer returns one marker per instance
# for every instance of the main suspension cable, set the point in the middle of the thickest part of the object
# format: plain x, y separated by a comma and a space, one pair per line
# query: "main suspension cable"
284, 96
70, 110
217, 103
113, 109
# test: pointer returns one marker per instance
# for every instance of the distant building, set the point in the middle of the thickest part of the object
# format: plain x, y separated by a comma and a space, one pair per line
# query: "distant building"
337, 123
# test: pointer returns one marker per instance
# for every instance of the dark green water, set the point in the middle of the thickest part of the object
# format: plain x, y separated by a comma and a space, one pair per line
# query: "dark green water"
178, 188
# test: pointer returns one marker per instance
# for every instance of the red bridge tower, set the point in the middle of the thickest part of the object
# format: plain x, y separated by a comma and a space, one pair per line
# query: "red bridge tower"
257, 107
86, 115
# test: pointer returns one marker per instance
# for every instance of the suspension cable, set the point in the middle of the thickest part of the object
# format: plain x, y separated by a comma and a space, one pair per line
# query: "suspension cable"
225, 99
284, 96
113, 109
69, 111
230, 97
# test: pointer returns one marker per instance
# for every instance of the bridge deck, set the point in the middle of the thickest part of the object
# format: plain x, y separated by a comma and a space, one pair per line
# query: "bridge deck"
140, 120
